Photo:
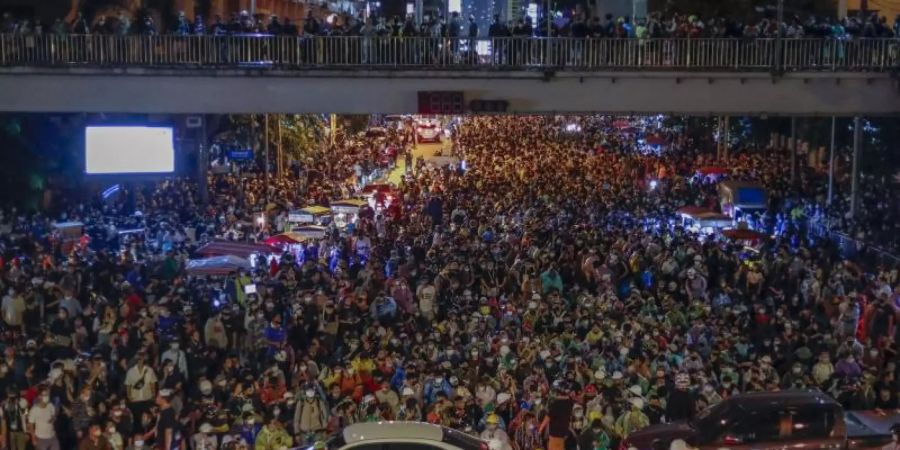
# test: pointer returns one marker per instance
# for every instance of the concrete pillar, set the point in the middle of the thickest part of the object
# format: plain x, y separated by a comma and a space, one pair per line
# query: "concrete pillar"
857, 144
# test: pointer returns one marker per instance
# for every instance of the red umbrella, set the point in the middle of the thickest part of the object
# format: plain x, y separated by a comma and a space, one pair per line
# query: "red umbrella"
241, 249
712, 170
377, 187
281, 239
655, 140
691, 210
743, 235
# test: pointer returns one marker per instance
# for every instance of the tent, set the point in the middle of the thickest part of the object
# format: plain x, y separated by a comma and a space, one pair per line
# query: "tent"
240, 249
217, 265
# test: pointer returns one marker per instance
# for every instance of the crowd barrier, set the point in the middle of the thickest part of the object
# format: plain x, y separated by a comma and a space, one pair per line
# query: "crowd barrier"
289, 52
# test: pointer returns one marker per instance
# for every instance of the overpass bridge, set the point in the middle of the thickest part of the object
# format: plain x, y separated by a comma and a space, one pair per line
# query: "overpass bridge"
360, 75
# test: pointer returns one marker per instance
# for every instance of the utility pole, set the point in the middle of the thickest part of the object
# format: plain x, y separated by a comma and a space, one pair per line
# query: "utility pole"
203, 165
793, 151
280, 166
266, 151
854, 185
831, 162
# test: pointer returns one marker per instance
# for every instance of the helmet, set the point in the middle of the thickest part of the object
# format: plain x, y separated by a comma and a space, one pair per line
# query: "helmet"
493, 419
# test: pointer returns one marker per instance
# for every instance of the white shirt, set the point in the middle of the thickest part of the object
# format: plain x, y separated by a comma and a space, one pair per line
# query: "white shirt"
42, 418
147, 391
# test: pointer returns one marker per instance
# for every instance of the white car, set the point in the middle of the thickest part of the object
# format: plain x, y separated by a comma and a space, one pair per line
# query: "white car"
403, 436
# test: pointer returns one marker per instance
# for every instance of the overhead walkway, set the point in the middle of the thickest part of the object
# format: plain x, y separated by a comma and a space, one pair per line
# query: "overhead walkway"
255, 74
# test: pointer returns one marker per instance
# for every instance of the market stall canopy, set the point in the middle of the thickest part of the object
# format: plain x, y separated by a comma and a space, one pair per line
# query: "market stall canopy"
316, 210
308, 214
240, 249
348, 205
217, 265
309, 232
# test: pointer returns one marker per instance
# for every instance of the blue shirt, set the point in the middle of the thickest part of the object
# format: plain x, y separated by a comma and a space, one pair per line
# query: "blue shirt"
387, 308
274, 336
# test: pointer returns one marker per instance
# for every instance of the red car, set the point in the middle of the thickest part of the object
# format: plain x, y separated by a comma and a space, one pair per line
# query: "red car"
428, 133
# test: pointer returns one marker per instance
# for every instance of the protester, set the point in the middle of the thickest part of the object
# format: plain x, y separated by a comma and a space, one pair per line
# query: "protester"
543, 295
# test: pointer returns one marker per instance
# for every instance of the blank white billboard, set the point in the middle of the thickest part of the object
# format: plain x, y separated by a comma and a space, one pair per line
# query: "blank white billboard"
124, 150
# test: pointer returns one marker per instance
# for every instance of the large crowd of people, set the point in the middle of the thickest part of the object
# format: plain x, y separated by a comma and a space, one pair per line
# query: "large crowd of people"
539, 296
579, 24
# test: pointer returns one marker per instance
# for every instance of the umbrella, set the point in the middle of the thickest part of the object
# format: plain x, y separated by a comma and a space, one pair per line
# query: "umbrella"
692, 210
240, 249
217, 265
377, 187
285, 238
743, 235
655, 140
621, 124
712, 170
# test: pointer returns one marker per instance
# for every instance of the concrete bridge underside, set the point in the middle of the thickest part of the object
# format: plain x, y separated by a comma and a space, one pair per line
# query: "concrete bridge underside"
396, 92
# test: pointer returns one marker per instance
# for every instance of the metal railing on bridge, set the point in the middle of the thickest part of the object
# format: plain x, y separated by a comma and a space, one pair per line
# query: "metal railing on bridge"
288, 52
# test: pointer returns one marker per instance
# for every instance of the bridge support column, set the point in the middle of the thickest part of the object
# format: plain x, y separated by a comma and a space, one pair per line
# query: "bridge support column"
857, 148
831, 161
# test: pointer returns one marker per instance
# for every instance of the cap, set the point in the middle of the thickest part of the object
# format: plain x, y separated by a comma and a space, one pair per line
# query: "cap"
493, 419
